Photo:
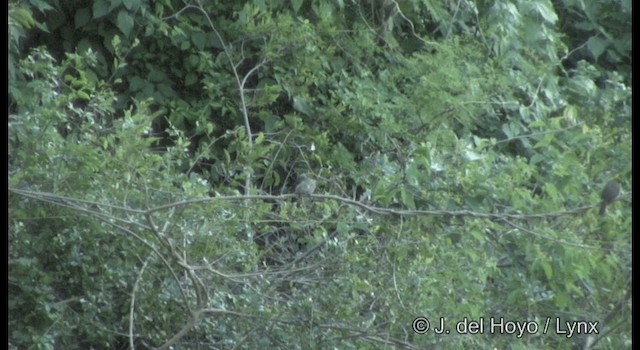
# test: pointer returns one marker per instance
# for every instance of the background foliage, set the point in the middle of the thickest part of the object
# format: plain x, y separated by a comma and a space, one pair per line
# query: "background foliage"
460, 148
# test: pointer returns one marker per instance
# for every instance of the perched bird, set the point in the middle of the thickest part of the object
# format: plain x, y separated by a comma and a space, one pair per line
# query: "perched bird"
609, 195
306, 185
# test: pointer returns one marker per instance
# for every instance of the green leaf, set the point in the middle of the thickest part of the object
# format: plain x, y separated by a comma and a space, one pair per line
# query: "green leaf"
545, 9
41, 5
136, 83
115, 42
199, 40
114, 4
302, 106
100, 8
83, 45
217, 43
547, 268
190, 79
597, 46
82, 17
131, 4
407, 198
23, 17
295, 5
124, 22
83, 95
193, 60
166, 90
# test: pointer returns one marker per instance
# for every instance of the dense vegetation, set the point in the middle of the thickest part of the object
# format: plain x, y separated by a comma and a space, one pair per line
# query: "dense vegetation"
459, 150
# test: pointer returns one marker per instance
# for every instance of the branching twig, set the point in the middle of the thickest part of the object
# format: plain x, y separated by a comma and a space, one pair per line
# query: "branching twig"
239, 83
348, 201
133, 300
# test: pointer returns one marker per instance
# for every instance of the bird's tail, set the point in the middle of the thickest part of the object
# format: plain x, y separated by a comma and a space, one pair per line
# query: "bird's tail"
603, 208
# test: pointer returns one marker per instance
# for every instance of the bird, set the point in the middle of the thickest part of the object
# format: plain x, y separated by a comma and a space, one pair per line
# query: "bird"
609, 194
306, 185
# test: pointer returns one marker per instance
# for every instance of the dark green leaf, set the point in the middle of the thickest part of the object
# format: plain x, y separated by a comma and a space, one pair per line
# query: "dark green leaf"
296, 4
100, 8
131, 4
199, 40
124, 22
82, 17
